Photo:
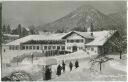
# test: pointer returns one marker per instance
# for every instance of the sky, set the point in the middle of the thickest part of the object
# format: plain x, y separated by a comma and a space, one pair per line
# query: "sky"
36, 13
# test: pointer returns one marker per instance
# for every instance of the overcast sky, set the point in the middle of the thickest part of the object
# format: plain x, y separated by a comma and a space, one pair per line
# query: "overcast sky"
37, 13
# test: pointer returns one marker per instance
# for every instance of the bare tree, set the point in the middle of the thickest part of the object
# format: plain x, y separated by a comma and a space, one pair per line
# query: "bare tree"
100, 59
33, 30
8, 29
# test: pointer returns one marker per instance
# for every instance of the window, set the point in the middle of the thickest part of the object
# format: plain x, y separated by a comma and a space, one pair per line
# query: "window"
77, 41
80, 47
23, 47
30, 47
41, 47
54, 47
45, 47
71, 41
26, 47
33, 47
58, 47
4, 50
16, 47
88, 48
67, 41
49, 47
81, 40
10, 47
37, 47
92, 49
62, 47
69, 47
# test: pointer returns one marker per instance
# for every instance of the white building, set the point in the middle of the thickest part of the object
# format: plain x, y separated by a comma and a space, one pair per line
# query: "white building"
91, 42
9, 38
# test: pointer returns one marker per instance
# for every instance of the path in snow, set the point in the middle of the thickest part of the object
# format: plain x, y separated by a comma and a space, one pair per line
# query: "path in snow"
109, 72
67, 74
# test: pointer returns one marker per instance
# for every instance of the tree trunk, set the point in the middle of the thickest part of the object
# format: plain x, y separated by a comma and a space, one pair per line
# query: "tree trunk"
120, 55
100, 66
32, 58
17, 60
17, 63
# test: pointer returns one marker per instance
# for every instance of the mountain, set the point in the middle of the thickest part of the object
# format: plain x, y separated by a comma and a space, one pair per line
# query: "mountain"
120, 18
80, 18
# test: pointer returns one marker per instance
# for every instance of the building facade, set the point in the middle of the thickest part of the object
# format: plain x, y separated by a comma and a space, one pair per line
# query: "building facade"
91, 42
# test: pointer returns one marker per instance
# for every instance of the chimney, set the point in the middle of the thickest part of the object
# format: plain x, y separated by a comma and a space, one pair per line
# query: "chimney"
88, 29
91, 27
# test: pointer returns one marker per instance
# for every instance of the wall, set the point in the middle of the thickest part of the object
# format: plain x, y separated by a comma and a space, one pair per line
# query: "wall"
74, 37
8, 54
92, 50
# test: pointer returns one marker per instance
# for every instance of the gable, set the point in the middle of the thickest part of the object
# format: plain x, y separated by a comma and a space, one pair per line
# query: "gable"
73, 35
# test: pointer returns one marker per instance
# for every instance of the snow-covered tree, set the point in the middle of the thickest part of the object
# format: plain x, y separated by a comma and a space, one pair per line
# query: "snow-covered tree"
60, 30
119, 43
33, 30
4, 29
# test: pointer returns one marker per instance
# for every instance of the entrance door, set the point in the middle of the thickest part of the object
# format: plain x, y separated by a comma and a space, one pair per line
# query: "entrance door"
74, 48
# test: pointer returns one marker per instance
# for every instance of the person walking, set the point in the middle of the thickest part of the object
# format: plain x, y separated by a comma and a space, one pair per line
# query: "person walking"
47, 73
70, 66
50, 73
63, 66
76, 64
59, 70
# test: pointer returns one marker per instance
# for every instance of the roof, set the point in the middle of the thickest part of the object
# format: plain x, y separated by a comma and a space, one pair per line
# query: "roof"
101, 37
85, 34
82, 34
45, 42
10, 35
37, 38
27, 29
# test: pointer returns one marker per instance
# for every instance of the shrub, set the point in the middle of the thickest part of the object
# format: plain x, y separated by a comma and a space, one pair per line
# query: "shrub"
6, 78
20, 76
37, 54
8, 65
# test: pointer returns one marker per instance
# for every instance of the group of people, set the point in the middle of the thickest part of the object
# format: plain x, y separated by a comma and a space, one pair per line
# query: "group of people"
59, 68
48, 71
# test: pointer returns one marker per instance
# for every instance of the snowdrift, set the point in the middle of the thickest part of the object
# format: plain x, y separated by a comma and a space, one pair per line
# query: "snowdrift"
76, 55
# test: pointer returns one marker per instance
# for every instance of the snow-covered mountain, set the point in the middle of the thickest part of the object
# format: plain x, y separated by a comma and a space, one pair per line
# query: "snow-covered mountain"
82, 17
120, 18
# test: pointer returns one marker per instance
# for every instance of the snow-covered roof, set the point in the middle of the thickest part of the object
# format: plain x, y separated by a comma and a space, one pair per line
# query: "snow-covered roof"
37, 37
101, 37
27, 29
83, 34
10, 35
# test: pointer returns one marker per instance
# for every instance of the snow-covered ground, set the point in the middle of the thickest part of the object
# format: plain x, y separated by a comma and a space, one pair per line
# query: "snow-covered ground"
112, 70
118, 66
108, 73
